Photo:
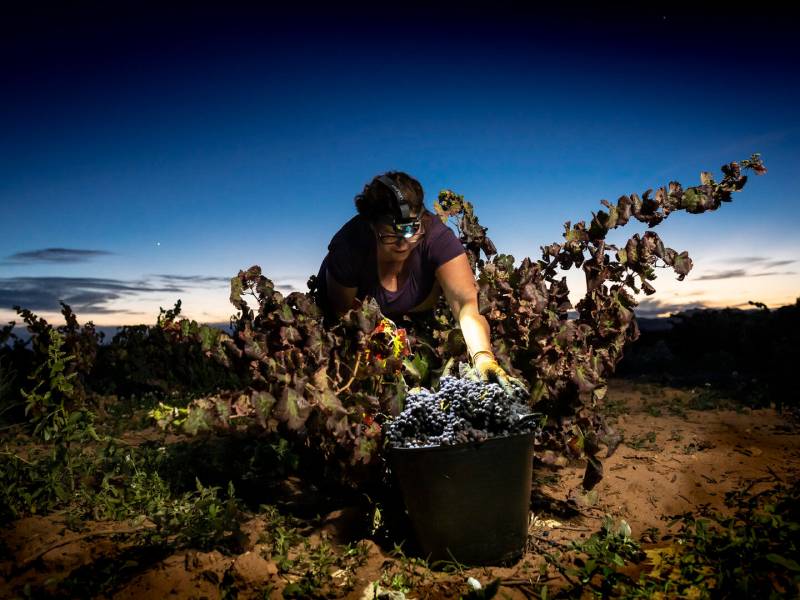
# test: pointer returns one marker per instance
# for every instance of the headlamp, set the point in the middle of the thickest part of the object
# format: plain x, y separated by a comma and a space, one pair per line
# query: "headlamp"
407, 230
406, 226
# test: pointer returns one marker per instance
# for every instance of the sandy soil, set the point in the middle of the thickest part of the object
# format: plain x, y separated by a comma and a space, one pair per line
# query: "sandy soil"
673, 460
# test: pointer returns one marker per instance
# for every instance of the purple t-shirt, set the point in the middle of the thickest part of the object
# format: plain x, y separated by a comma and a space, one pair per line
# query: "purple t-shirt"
352, 261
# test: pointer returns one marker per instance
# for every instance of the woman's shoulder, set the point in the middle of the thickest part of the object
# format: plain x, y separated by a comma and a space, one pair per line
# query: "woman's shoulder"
437, 229
347, 253
353, 233
441, 243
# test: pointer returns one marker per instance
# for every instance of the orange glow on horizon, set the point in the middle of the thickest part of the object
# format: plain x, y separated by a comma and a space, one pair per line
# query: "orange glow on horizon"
203, 311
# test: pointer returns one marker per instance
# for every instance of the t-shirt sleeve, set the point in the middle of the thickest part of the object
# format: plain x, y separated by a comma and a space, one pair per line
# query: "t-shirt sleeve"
444, 246
345, 260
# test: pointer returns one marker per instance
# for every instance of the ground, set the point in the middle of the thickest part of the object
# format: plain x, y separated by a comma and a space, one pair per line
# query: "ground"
676, 458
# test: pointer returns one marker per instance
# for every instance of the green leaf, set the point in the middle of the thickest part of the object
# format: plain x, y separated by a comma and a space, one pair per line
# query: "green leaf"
263, 402
365, 450
236, 291
330, 402
286, 314
292, 409
787, 563
197, 419
417, 367
599, 392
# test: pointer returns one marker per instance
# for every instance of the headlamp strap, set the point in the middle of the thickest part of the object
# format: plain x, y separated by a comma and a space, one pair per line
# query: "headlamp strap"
405, 209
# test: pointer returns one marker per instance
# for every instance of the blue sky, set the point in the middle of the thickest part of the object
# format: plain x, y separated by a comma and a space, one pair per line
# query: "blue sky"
150, 155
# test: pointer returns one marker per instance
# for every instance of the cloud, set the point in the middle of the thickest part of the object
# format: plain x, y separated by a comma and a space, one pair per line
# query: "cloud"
96, 295
651, 307
734, 273
289, 285
53, 255
723, 275
777, 263
772, 273
83, 294
193, 278
760, 261
744, 259
285, 285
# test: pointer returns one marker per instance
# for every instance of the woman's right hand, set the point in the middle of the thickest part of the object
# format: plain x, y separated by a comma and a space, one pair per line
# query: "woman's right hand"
489, 370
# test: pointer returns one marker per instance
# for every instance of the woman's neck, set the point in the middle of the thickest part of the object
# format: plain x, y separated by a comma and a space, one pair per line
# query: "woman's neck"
391, 266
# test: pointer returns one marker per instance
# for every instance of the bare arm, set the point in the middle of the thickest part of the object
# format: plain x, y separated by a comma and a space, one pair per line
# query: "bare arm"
461, 292
341, 298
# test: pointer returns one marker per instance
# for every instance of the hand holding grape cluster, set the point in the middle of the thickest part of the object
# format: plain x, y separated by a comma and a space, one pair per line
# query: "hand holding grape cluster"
486, 368
463, 410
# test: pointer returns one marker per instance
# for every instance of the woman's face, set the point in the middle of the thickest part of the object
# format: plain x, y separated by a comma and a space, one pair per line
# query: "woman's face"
394, 247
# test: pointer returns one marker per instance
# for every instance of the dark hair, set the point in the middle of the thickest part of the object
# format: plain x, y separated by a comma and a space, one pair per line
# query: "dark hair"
377, 200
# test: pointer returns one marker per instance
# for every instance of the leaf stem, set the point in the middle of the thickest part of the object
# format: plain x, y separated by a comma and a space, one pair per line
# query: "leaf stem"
352, 379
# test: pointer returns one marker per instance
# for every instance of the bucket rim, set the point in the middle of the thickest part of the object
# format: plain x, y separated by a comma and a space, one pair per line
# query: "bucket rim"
450, 447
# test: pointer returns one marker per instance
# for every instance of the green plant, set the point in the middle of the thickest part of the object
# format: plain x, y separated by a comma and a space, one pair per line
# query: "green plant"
355, 553
281, 536
750, 552
675, 436
646, 441
597, 567
201, 519
613, 407
709, 398
406, 573
8, 376
313, 563
44, 404
132, 487
36, 482
49, 475
653, 410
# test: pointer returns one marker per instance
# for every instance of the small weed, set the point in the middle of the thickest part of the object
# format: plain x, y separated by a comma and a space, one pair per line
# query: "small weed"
675, 436
355, 554
653, 410
281, 535
709, 398
605, 554
314, 567
699, 446
406, 573
613, 406
646, 441
676, 408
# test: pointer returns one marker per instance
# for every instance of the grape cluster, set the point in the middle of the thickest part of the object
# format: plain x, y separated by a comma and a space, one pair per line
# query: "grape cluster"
461, 411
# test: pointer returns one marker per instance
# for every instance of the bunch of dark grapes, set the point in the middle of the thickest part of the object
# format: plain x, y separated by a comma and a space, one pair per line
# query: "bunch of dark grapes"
461, 411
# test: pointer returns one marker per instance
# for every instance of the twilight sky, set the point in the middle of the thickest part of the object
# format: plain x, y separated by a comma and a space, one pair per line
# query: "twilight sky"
149, 154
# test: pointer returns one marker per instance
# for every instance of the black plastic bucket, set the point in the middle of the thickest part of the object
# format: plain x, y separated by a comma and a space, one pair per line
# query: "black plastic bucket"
468, 502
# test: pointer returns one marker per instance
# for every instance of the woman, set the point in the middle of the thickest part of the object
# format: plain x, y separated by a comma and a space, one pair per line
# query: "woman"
404, 256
